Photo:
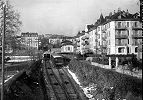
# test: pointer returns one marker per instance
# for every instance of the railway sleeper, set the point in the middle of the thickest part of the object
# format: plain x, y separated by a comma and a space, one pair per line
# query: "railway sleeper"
62, 96
58, 89
74, 96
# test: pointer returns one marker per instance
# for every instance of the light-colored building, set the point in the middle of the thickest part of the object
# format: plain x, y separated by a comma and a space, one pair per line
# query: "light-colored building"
82, 42
67, 46
117, 34
30, 40
124, 33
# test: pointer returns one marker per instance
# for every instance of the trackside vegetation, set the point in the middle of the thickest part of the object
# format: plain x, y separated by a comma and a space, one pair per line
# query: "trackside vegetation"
110, 85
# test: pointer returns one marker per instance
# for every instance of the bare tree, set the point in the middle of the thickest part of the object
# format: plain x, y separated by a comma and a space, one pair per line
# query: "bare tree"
13, 24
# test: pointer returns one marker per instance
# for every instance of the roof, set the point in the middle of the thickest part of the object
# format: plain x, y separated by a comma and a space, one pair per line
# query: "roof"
66, 42
29, 34
117, 16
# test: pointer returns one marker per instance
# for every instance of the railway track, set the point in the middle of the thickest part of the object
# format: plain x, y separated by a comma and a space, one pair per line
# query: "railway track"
61, 86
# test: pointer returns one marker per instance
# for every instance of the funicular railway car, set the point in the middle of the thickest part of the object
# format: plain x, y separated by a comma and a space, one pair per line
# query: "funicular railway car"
56, 59
47, 56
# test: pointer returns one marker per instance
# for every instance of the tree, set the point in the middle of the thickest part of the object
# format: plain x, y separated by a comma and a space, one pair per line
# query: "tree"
13, 24
45, 45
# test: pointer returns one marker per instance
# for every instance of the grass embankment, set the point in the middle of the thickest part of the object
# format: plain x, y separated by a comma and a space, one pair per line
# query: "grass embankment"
110, 85
17, 66
26, 85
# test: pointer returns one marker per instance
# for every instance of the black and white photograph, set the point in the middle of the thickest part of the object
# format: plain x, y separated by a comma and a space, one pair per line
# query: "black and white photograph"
71, 49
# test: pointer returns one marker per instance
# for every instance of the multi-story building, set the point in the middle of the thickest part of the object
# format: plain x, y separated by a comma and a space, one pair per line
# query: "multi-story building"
82, 42
115, 35
124, 34
30, 40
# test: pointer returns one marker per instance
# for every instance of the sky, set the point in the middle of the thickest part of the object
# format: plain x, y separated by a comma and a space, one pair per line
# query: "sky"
66, 17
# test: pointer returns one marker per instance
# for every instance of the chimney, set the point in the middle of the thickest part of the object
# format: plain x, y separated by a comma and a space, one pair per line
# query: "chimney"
119, 9
114, 11
127, 12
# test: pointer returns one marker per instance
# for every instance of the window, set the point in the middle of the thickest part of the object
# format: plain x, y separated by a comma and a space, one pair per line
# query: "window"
136, 32
121, 50
135, 24
98, 43
128, 32
127, 24
119, 24
109, 33
108, 42
128, 50
109, 25
119, 32
136, 49
68, 48
98, 28
128, 41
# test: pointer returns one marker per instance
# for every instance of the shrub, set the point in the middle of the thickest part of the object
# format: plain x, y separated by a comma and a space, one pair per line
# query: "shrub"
110, 84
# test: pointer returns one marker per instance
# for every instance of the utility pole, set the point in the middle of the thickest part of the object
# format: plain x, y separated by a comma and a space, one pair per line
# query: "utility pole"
3, 53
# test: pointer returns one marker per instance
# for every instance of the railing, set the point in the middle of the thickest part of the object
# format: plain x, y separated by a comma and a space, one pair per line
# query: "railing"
121, 27
78, 40
86, 46
139, 26
121, 36
137, 43
78, 44
96, 40
104, 30
121, 44
104, 38
137, 35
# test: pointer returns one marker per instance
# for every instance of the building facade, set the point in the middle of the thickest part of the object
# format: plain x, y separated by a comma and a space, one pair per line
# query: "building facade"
120, 33
67, 46
117, 34
30, 40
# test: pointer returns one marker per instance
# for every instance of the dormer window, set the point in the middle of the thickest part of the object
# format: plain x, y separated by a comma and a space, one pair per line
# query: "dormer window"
135, 24
119, 17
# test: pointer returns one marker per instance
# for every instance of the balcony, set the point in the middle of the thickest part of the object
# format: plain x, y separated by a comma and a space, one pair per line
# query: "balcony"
137, 36
103, 31
137, 43
137, 27
121, 44
86, 46
121, 27
78, 44
78, 40
121, 36
103, 46
104, 38
83, 43
96, 40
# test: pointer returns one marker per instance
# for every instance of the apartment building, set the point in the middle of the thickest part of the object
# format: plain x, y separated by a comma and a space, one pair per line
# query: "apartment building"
30, 40
119, 34
124, 33
82, 42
